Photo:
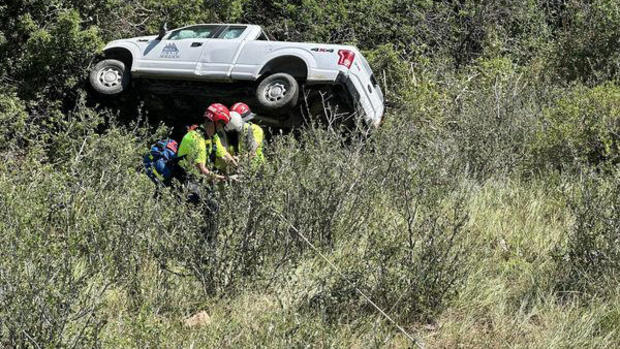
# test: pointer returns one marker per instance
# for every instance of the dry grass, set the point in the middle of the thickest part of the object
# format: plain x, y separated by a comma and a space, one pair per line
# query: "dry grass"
506, 303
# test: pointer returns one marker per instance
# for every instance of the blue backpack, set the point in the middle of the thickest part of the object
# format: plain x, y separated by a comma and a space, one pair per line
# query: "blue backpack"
161, 162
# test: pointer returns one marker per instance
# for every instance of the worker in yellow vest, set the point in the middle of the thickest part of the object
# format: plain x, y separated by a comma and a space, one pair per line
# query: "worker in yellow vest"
248, 137
202, 146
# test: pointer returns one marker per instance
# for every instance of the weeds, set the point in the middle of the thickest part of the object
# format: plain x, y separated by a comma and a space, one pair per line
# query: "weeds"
590, 263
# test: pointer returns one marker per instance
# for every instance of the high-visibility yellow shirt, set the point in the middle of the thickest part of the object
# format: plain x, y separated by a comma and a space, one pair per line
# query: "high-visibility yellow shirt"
251, 140
193, 148
217, 152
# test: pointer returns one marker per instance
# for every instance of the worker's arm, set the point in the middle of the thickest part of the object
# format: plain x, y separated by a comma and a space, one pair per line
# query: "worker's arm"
205, 171
222, 153
230, 160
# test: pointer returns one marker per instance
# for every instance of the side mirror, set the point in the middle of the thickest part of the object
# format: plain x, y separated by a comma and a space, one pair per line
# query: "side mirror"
162, 31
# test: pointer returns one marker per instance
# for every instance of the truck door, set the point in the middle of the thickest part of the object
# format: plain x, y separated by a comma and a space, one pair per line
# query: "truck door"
220, 53
178, 53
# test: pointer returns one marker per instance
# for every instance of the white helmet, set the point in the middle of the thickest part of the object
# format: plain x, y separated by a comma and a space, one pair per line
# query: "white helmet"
235, 123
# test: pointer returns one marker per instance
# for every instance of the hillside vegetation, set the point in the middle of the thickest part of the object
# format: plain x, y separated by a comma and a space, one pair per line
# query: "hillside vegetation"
485, 212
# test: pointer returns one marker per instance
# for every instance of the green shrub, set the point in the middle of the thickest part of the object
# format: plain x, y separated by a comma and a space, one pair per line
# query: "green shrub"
588, 40
416, 263
582, 127
590, 262
491, 119
14, 129
384, 216
57, 55
71, 230
49, 291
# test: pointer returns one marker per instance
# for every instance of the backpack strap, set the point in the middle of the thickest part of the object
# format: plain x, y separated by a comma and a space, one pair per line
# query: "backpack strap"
212, 153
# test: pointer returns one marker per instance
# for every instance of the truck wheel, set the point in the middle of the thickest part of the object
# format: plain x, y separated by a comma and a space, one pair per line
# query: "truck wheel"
278, 91
109, 77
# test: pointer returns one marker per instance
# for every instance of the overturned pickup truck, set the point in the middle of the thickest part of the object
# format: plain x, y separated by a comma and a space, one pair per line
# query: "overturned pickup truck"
242, 55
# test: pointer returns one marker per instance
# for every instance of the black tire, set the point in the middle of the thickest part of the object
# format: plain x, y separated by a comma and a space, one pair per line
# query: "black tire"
279, 91
109, 77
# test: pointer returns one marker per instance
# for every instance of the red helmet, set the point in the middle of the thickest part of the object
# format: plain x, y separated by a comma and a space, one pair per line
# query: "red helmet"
242, 109
217, 112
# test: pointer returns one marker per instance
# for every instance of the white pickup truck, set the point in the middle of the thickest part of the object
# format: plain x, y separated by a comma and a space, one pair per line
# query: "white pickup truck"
240, 53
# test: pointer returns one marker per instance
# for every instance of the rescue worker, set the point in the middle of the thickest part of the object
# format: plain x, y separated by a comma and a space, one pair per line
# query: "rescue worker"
202, 144
218, 150
246, 138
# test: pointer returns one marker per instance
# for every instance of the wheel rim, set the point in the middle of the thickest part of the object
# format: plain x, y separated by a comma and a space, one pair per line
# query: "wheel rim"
110, 77
277, 90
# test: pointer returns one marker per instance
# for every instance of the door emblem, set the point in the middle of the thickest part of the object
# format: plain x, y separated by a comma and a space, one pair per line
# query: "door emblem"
170, 51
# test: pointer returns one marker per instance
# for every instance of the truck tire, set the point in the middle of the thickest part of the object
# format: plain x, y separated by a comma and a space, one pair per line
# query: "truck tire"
279, 91
109, 77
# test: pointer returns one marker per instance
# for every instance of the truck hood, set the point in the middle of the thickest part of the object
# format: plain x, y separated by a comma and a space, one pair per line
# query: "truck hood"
143, 38
136, 39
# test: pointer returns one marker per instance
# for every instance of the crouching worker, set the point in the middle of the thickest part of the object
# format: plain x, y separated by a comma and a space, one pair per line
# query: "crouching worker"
247, 138
201, 144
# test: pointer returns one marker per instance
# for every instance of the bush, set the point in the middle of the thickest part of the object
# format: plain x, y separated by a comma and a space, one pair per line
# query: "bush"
49, 291
590, 262
385, 216
586, 47
71, 230
490, 117
57, 55
582, 127
14, 129
416, 266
